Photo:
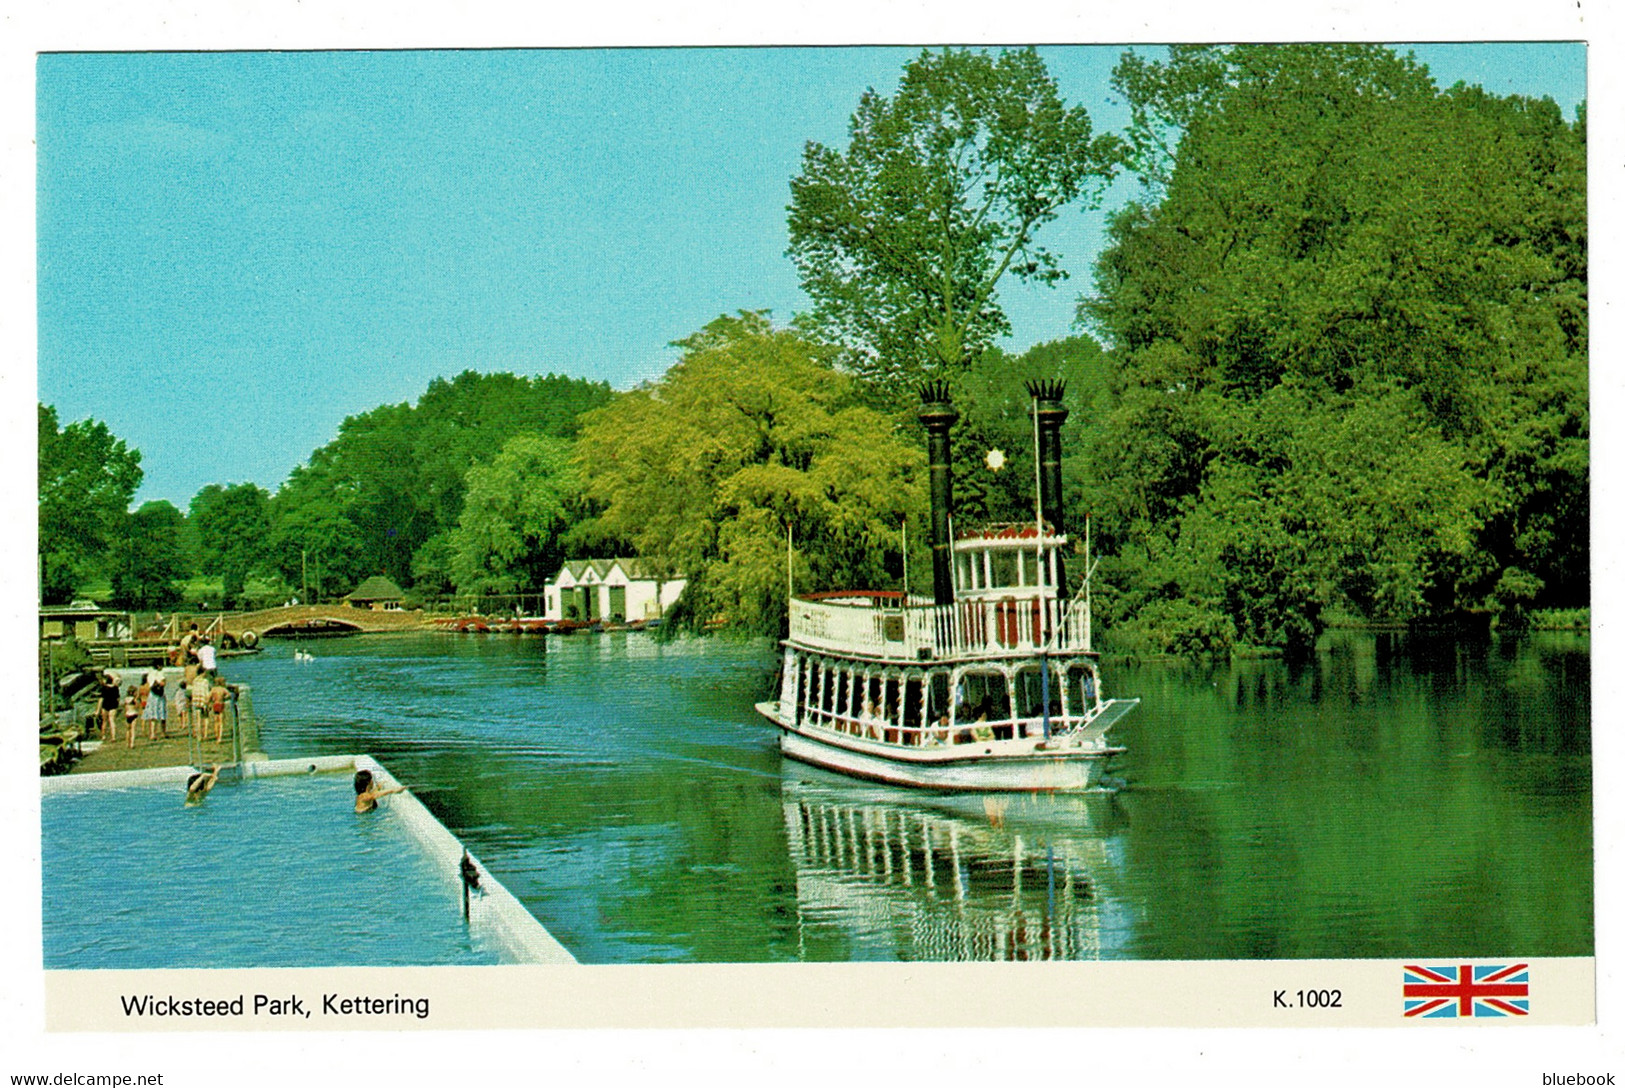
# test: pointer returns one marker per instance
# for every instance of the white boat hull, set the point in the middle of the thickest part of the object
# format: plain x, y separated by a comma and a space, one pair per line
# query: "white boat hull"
1059, 770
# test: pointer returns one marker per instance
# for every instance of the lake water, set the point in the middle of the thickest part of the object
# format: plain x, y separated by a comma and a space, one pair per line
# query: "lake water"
1395, 797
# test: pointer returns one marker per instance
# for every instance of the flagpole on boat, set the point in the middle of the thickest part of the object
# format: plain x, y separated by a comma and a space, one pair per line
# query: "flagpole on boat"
905, 560
1038, 575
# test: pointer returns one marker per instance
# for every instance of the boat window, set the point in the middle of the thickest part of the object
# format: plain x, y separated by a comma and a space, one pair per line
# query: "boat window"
913, 702
962, 571
982, 695
1030, 692
889, 701
1003, 573
936, 707
1081, 690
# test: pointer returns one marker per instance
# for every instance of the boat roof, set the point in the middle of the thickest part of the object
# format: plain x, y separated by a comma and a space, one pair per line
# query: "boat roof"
1021, 530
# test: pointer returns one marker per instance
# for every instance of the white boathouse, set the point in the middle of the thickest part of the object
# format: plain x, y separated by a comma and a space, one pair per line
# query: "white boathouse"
611, 590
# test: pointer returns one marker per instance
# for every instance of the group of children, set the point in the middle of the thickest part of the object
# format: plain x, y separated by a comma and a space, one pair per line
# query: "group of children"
197, 699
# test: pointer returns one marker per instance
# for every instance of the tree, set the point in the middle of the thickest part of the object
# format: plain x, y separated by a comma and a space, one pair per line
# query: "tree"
752, 433
396, 474
87, 478
233, 528
149, 557
902, 241
996, 413
313, 545
516, 509
1354, 306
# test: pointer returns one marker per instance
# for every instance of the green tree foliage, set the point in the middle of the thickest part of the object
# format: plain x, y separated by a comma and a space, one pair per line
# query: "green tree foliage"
149, 558
1351, 347
751, 433
516, 509
233, 530
385, 495
902, 240
996, 414
87, 478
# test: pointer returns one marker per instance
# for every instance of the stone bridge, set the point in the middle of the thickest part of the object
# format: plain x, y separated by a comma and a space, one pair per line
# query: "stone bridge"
335, 618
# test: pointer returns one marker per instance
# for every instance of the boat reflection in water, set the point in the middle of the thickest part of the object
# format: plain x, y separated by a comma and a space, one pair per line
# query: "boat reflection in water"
912, 876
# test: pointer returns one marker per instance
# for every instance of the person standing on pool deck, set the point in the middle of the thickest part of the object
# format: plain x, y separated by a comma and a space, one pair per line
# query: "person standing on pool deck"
189, 652
367, 794
199, 698
178, 709
132, 710
205, 654
218, 694
199, 785
157, 708
109, 706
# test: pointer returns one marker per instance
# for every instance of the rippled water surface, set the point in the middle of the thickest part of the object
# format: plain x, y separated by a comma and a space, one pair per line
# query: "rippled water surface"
274, 872
1393, 797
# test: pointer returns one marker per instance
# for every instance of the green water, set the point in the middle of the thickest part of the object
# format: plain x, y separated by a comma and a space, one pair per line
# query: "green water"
1394, 797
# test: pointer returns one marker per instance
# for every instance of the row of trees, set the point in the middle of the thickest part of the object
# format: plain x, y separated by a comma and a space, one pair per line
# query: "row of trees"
385, 496
1339, 365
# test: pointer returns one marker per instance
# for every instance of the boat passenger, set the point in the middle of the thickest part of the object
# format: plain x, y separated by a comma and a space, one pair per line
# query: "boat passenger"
367, 794
871, 720
199, 785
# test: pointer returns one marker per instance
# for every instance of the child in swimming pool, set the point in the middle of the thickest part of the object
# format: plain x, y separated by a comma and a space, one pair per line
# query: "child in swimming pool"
199, 785
367, 794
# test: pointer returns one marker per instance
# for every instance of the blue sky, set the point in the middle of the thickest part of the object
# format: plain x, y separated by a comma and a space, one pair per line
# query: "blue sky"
237, 250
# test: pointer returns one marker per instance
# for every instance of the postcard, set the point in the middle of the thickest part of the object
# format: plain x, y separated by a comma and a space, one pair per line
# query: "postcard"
956, 533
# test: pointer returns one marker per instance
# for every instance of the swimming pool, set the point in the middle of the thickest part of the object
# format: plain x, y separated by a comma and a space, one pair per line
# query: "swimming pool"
274, 870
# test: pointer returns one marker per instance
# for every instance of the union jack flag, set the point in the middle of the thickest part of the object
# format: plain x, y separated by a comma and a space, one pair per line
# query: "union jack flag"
1495, 990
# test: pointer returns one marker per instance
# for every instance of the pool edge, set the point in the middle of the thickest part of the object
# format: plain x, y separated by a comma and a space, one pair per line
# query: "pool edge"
493, 908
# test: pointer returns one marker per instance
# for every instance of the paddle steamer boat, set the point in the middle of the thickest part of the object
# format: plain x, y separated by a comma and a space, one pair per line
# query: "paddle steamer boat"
992, 683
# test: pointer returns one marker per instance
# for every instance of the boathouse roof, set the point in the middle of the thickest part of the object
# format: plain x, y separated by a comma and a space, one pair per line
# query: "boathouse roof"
376, 588
635, 570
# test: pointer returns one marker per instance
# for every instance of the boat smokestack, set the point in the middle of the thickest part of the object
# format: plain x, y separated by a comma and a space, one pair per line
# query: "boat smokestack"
1051, 414
938, 415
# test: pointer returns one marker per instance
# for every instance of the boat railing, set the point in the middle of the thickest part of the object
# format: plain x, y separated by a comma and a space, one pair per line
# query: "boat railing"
942, 733
974, 627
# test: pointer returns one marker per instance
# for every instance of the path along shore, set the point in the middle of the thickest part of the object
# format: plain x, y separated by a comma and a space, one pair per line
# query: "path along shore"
175, 749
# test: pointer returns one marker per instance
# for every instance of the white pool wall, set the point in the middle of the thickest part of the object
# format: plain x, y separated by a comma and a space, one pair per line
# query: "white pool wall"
496, 913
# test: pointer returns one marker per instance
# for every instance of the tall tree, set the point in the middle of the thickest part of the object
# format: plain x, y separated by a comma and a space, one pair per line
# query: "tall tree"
1355, 307
750, 435
517, 508
87, 478
233, 530
149, 558
902, 240
396, 475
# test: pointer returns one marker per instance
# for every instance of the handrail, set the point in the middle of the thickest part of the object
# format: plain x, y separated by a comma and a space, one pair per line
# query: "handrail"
980, 627
948, 735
